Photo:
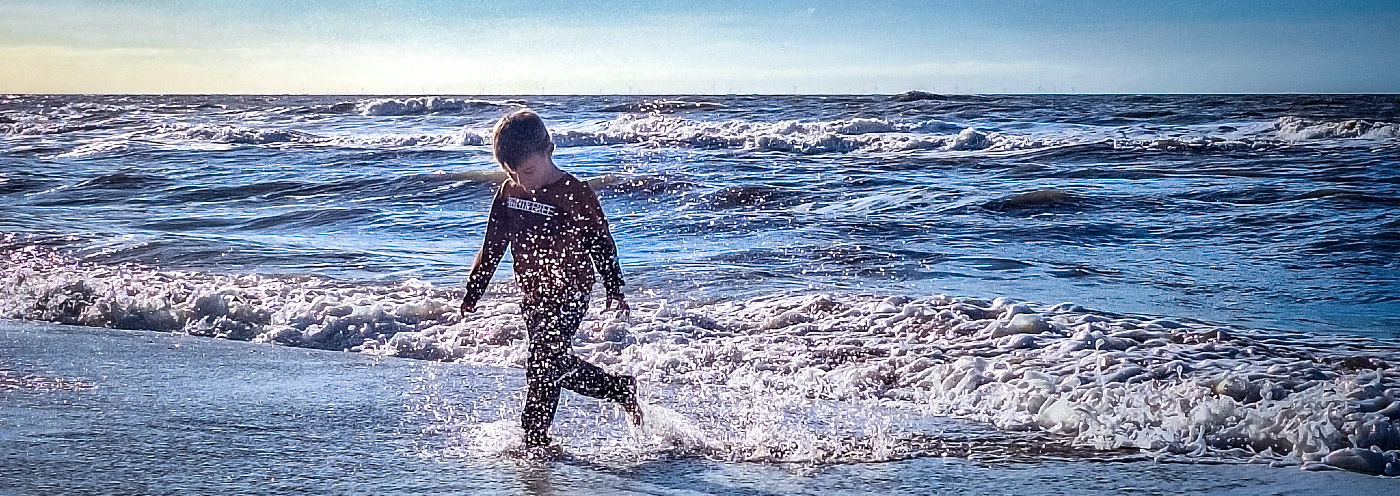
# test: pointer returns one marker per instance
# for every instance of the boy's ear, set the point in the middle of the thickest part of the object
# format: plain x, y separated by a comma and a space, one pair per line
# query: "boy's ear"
549, 150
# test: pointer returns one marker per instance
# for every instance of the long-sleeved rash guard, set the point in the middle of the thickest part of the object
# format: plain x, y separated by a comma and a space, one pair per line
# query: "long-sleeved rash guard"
557, 234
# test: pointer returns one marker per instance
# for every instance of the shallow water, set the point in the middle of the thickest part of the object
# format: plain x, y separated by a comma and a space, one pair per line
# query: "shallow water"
164, 413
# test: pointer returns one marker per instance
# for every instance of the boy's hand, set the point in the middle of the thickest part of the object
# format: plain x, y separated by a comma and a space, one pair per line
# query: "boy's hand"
466, 309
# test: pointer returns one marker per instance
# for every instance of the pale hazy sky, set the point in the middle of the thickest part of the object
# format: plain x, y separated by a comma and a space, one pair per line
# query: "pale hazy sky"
715, 46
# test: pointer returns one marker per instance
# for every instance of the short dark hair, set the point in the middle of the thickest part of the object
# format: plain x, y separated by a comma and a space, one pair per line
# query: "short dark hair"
517, 136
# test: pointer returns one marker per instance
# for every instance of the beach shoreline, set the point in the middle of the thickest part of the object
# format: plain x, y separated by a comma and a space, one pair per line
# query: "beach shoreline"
170, 412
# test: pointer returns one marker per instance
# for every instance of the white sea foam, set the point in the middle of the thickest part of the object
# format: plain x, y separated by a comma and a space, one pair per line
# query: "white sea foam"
1198, 142
860, 134
464, 137
868, 135
230, 134
888, 135
841, 136
661, 106
30, 125
1176, 390
209, 136
1295, 128
99, 147
425, 105
199, 136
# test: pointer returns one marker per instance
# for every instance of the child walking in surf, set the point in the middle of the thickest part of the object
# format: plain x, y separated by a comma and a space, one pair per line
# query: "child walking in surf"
555, 229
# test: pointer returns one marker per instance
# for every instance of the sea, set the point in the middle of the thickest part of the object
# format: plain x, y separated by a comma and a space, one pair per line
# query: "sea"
834, 294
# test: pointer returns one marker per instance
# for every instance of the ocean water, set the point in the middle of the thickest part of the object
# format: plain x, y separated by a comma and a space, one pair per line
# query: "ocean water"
1269, 211
1159, 277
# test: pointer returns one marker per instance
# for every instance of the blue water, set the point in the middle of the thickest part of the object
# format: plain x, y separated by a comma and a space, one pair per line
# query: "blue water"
1231, 260
1254, 210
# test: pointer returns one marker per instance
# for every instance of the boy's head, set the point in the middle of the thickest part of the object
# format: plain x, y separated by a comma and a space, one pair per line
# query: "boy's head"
518, 136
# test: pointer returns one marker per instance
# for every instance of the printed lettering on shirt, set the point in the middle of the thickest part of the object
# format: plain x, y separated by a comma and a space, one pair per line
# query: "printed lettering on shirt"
529, 206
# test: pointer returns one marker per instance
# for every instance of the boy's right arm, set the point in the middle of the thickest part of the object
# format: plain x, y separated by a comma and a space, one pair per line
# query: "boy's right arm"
493, 247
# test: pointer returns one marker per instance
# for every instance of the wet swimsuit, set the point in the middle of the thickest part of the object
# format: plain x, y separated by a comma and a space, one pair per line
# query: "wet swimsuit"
558, 236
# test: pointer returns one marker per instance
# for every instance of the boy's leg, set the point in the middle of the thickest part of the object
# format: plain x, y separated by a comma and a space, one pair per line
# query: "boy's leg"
587, 379
545, 324
590, 380
549, 366
541, 393
580, 376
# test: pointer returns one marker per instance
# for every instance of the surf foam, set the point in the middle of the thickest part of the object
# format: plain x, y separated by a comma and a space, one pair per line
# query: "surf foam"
864, 135
1294, 128
661, 106
840, 136
426, 105
1175, 390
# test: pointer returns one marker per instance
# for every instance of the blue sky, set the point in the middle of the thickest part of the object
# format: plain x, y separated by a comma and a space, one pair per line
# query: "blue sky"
509, 47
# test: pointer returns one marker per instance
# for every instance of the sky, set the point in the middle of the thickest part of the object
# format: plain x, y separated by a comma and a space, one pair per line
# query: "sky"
698, 47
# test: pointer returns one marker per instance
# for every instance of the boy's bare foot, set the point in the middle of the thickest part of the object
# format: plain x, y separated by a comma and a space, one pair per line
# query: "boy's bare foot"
546, 452
634, 413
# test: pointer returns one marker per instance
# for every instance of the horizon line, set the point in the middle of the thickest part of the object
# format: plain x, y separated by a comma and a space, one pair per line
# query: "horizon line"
1223, 93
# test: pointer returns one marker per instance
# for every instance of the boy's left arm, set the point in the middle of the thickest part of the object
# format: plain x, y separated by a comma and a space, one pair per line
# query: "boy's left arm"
603, 250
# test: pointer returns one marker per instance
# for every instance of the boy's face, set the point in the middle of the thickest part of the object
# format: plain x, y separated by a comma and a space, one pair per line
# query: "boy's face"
533, 171
525, 169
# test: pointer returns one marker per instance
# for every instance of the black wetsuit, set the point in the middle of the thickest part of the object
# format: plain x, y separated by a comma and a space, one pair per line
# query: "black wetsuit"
558, 236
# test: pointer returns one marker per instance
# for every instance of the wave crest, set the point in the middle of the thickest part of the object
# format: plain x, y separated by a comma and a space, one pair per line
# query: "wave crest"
1295, 128
42, 127
860, 134
661, 106
427, 105
232, 134
917, 95
243, 135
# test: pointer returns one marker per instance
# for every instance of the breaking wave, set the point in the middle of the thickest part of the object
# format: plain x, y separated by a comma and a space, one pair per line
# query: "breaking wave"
860, 134
427, 105
262, 136
877, 135
867, 135
230, 134
42, 127
181, 133
1175, 391
1294, 128
661, 106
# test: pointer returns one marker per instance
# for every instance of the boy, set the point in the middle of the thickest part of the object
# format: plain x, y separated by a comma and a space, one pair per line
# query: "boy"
554, 226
